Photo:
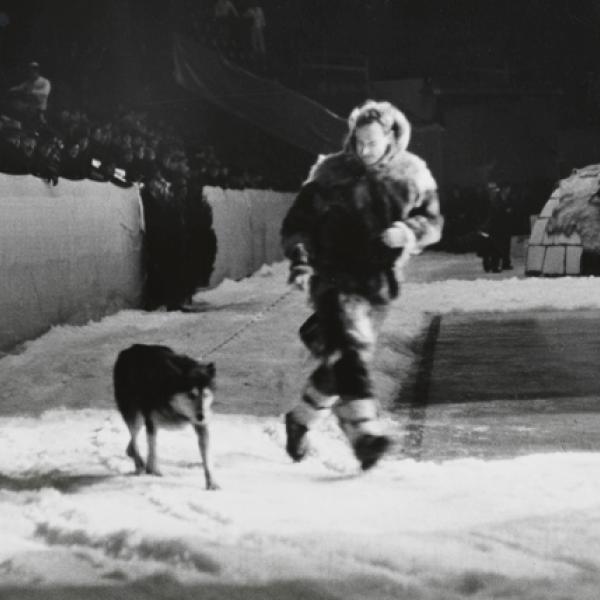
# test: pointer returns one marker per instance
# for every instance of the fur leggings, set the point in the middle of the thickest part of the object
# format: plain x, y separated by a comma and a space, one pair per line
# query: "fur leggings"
342, 334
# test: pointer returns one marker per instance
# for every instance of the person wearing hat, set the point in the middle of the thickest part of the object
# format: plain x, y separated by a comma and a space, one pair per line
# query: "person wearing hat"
30, 98
358, 213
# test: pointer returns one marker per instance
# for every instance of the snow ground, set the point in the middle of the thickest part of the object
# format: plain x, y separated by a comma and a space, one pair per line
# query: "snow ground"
74, 522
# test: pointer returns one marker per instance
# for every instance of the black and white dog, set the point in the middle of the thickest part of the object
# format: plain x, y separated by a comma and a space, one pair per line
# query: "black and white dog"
154, 386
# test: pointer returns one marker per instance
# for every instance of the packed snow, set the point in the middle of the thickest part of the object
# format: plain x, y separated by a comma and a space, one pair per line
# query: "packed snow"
77, 523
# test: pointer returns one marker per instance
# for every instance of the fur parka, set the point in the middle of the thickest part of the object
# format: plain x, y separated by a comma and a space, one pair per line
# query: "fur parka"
336, 222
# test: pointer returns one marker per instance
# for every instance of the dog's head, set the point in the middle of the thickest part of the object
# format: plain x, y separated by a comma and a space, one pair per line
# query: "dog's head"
195, 395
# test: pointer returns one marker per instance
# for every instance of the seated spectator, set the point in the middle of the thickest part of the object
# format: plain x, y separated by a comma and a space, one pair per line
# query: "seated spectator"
64, 119
126, 163
74, 164
46, 163
28, 147
12, 157
84, 149
149, 166
135, 169
98, 144
30, 98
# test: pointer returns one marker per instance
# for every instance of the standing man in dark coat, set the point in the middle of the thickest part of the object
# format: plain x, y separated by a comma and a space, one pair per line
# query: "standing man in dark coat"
495, 232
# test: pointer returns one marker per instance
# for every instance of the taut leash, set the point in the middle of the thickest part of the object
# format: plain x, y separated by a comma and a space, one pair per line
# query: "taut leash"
248, 324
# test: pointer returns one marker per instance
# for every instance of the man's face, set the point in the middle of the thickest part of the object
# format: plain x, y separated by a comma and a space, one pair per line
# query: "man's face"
371, 142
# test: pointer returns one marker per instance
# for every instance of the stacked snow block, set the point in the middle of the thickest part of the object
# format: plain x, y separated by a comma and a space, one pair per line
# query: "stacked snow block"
559, 254
552, 255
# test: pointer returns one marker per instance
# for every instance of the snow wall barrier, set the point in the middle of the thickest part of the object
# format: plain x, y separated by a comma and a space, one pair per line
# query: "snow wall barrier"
247, 225
68, 253
73, 252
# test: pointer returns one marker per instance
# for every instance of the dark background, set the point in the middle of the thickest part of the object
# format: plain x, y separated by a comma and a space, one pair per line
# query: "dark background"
122, 46
540, 42
516, 84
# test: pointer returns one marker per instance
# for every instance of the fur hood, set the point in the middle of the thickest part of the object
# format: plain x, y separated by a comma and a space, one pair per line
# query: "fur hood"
398, 164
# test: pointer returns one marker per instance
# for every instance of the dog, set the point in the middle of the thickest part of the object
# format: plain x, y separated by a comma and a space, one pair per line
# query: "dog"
154, 386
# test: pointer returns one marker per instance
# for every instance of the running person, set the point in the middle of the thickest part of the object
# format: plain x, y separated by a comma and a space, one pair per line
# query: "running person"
354, 216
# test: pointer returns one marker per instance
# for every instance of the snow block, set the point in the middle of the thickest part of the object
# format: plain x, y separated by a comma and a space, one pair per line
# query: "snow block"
573, 260
560, 239
538, 233
554, 261
535, 260
550, 206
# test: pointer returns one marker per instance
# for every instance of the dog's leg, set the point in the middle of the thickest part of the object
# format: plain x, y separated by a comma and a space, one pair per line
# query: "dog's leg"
152, 460
204, 444
132, 448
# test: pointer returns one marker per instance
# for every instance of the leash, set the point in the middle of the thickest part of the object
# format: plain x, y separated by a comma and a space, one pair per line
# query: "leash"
248, 324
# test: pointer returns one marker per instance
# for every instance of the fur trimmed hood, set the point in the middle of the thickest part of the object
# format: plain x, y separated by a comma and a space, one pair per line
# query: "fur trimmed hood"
398, 164
345, 168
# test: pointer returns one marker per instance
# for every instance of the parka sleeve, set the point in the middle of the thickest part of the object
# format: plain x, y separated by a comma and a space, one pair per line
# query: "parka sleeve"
297, 227
424, 218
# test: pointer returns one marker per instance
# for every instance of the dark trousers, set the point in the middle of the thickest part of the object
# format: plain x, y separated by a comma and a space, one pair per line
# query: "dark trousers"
495, 251
342, 335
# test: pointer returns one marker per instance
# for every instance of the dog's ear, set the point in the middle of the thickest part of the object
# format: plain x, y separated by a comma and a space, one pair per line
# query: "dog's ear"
211, 370
203, 374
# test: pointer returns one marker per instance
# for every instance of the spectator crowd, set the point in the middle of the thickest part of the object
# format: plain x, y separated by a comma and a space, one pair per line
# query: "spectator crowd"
236, 28
126, 149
